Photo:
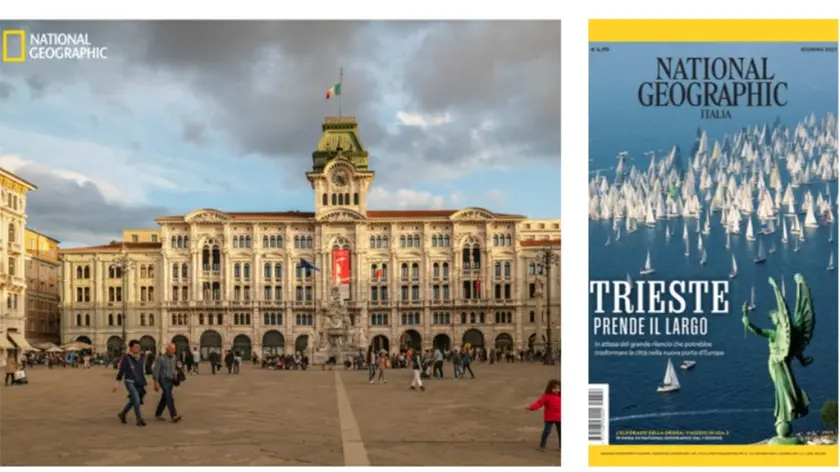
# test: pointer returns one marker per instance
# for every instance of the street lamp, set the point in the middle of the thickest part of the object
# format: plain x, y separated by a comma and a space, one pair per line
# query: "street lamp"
124, 263
546, 259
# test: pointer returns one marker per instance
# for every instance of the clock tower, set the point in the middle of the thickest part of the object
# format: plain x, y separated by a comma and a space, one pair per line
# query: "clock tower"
340, 177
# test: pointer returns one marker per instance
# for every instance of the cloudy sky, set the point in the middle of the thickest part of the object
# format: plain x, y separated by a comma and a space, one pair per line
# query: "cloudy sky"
186, 115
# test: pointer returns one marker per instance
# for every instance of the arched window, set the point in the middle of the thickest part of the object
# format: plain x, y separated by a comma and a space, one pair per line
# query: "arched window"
416, 240
278, 271
142, 319
498, 269
180, 242
279, 241
87, 320
217, 258
385, 242
355, 199
237, 269
87, 272
174, 242
507, 269
119, 319
273, 241
79, 319
151, 319
205, 258
508, 241
532, 268
110, 319
236, 241
248, 242
267, 270
324, 200
265, 241
346, 198
12, 232
476, 256
384, 271
175, 270
151, 271
201, 318
445, 270
184, 271
340, 199
404, 271
373, 242
186, 241
309, 242
334, 199
402, 240
79, 272
434, 241
247, 270
435, 270
373, 268
415, 271
446, 240
495, 239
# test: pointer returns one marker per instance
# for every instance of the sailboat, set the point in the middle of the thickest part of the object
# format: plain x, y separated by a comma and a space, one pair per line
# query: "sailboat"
784, 232
609, 240
734, 272
831, 261
703, 257
697, 229
618, 233
687, 248
648, 269
772, 248
670, 383
783, 289
727, 241
751, 306
760, 258
795, 245
750, 235
667, 233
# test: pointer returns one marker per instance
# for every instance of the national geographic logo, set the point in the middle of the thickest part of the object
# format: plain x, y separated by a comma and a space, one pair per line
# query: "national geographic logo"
18, 46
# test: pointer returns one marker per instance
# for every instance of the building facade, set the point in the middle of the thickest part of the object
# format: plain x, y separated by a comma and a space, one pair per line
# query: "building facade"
13, 190
42, 288
220, 280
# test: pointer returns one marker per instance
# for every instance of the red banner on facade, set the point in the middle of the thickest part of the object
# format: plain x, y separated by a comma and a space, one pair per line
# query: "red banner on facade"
341, 267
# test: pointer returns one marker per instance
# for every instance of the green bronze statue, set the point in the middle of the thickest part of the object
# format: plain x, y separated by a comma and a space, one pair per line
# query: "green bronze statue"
788, 341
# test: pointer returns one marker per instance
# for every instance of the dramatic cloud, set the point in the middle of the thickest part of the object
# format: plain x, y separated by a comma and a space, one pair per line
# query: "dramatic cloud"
436, 101
73, 208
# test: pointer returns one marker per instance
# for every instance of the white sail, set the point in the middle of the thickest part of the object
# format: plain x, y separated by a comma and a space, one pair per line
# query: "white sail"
671, 378
750, 234
831, 260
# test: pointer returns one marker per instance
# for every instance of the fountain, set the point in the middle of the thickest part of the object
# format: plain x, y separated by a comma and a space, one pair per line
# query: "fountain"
336, 338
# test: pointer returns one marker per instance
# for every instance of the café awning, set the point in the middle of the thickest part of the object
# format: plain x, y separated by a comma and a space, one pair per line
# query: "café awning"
20, 342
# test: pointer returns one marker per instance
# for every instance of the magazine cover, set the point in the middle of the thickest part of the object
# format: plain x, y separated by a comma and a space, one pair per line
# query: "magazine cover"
713, 288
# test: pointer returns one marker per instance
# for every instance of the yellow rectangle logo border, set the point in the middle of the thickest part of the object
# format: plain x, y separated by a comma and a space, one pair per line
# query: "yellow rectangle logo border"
705, 31
6, 35
712, 455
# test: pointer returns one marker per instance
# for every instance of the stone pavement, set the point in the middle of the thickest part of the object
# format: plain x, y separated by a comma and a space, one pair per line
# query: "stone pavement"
68, 417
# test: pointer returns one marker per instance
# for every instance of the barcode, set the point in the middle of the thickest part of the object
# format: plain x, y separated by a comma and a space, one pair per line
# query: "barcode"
599, 432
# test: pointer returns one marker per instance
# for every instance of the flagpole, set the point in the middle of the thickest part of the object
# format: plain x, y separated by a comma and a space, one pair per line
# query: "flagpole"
340, 82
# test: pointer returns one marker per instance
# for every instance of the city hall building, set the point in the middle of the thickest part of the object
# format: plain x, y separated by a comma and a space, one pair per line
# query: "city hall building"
218, 280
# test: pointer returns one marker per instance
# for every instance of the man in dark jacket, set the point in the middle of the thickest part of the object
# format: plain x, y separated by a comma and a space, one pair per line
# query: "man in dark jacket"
229, 359
130, 372
214, 361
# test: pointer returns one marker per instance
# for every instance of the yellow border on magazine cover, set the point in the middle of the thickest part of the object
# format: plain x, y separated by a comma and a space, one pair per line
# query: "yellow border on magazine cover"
706, 31
701, 455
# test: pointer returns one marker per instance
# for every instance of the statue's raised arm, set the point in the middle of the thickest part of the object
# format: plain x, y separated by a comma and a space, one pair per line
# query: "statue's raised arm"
804, 317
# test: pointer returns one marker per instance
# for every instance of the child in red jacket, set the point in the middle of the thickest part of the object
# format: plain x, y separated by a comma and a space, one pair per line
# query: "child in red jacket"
550, 403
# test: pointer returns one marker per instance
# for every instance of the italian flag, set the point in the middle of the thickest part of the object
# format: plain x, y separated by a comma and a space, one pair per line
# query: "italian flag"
334, 90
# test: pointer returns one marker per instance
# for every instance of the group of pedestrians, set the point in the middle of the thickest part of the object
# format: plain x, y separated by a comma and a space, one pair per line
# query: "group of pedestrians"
166, 375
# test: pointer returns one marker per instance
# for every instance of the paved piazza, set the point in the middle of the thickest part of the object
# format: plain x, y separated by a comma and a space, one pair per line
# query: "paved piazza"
68, 417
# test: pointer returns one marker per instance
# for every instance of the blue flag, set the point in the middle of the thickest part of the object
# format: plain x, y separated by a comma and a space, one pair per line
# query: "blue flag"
307, 265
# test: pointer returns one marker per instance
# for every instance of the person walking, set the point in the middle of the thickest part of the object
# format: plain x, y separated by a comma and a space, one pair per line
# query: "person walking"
437, 370
196, 360
214, 361
229, 362
131, 373
11, 368
188, 360
457, 369
465, 364
550, 403
416, 367
382, 362
165, 375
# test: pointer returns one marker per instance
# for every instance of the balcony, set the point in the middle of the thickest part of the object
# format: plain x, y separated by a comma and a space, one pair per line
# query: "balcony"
15, 248
20, 281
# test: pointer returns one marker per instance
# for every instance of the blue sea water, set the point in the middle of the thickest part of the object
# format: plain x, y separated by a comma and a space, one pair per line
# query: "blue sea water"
733, 392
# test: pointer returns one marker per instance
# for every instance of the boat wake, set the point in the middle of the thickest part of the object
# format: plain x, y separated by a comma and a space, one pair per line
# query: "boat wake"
717, 411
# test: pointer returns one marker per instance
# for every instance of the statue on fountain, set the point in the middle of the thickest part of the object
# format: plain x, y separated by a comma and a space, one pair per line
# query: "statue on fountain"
336, 310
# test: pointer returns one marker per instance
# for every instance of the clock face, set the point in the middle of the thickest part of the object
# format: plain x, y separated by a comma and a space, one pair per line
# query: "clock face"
340, 178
